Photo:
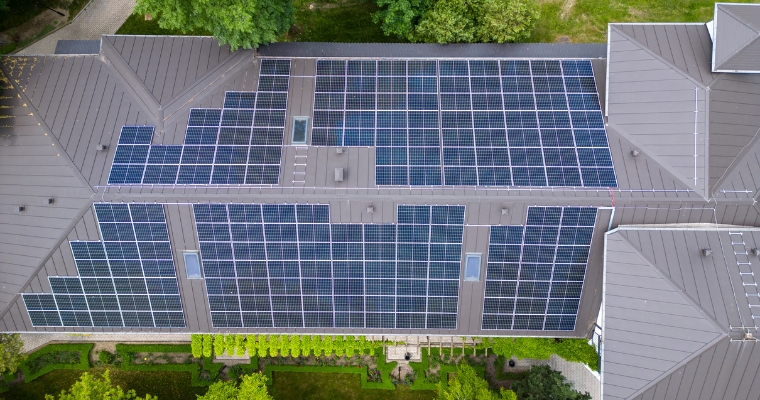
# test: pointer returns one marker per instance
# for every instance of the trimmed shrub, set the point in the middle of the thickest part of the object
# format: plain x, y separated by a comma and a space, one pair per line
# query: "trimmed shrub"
208, 345
229, 344
239, 345
218, 345
196, 345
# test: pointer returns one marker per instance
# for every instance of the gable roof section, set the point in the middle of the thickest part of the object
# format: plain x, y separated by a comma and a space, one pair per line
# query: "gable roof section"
34, 169
168, 65
82, 103
737, 38
650, 326
659, 283
658, 107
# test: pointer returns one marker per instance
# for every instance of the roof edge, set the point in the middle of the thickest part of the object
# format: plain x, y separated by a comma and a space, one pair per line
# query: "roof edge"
716, 68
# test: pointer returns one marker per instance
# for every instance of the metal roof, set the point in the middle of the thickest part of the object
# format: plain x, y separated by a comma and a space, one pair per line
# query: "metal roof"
674, 317
737, 38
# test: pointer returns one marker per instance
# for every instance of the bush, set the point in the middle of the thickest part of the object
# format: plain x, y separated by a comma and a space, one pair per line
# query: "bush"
105, 357
239, 345
574, 350
543, 382
208, 345
56, 356
196, 345
218, 345
229, 344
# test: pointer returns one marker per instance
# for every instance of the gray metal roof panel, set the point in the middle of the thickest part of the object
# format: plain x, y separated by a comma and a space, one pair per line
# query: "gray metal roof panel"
737, 30
403, 50
658, 107
649, 326
77, 47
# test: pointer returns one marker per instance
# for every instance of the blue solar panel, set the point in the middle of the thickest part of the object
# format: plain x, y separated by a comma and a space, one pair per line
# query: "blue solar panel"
492, 117
535, 272
286, 265
128, 279
252, 122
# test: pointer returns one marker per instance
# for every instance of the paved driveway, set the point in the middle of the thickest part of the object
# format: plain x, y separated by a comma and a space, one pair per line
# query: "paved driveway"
99, 17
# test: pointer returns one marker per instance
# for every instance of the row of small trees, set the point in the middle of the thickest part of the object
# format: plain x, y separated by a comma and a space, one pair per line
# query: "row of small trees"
278, 345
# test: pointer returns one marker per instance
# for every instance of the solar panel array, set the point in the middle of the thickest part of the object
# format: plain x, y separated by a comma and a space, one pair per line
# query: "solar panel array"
472, 123
286, 265
535, 272
239, 144
126, 280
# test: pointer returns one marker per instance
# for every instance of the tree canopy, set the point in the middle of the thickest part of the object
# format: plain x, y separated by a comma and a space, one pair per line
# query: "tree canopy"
252, 387
10, 351
543, 382
467, 385
241, 23
458, 21
91, 387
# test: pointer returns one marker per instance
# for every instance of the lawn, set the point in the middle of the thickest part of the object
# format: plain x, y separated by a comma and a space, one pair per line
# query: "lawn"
316, 386
165, 385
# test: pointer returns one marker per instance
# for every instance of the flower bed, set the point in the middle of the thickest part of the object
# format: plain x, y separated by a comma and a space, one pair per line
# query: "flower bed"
203, 371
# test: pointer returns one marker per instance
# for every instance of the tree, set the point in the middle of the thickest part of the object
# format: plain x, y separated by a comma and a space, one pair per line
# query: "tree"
91, 387
208, 345
252, 387
543, 382
241, 23
273, 347
307, 344
262, 346
4, 5
459, 21
295, 346
219, 345
10, 352
284, 345
229, 344
239, 345
467, 385
196, 345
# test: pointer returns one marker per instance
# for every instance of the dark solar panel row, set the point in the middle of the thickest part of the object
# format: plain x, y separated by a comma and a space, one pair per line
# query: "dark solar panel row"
238, 144
483, 122
128, 279
286, 265
535, 272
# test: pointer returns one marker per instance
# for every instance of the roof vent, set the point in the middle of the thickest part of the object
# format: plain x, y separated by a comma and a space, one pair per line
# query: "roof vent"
339, 150
21, 208
755, 252
707, 252
338, 174
504, 211
635, 152
370, 209
50, 200
102, 147
748, 336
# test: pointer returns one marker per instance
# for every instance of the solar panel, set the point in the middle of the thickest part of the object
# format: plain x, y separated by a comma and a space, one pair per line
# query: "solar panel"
286, 265
535, 272
240, 144
128, 279
467, 123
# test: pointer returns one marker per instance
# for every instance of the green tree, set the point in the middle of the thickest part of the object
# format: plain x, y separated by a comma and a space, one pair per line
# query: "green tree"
362, 344
459, 21
219, 345
262, 346
196, 345
239, 345
91, 387
307, 345
350, 345
252, 387
229, 344
4, 5
284, 345
10, 352
467, 385
273, 345
543, 382
208, 345
241, 23
329, 345
295, 346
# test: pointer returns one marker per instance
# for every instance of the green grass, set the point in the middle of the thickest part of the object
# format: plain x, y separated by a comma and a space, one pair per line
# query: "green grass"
337, 21
587, 20
75, 7
165, 385
137, 25
319, 386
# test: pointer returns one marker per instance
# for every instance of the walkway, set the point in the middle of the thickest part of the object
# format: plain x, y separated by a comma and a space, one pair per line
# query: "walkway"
98, 18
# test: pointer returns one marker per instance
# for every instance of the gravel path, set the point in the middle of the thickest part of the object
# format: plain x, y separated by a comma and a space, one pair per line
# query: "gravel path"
98, 18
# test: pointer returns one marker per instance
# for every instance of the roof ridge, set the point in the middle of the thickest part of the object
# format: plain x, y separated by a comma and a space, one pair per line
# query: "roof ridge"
734, 16
736, 162
742, 46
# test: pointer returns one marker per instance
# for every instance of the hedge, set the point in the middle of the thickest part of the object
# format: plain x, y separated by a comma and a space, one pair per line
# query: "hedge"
194, 369
422, 366
83, 364
384, 367
573, 350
